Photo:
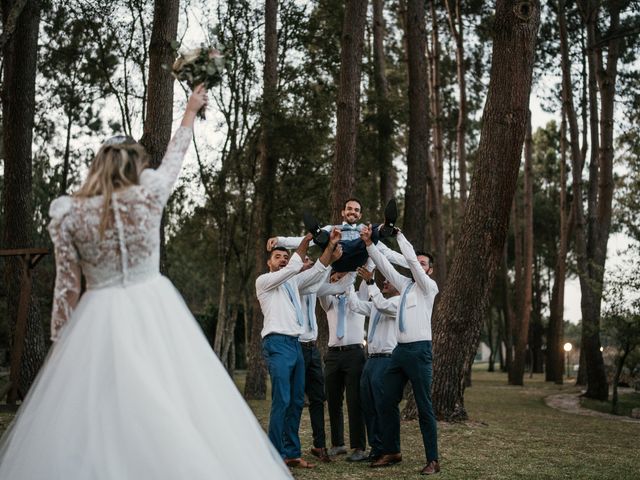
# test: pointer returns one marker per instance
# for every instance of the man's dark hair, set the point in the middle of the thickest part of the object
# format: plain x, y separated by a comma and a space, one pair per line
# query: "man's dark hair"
425, 254
279, 249
352, 199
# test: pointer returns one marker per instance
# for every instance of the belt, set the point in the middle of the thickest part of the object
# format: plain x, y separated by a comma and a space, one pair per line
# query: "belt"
379, 355
343, 348
310, 344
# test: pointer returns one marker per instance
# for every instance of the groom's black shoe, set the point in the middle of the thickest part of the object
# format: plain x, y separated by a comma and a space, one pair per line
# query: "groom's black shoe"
387, 229
320, 237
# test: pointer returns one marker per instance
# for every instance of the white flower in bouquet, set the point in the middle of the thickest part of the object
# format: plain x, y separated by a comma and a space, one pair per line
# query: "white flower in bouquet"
200, 65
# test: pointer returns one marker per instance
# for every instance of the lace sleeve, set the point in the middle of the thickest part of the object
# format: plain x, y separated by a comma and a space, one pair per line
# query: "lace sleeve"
161, 181
67, 286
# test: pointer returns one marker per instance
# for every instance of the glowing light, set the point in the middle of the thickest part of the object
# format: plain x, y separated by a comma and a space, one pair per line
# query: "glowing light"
568, 347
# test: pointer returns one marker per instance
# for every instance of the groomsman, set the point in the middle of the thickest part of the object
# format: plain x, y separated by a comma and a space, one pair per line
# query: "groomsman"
314, 386
279, 297
412, 358
343, 367
354, 250
381, 340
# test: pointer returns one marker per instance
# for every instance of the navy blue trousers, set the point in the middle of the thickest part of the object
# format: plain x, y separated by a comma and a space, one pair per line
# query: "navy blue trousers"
354, 253
283, 355
372, 398
410, 362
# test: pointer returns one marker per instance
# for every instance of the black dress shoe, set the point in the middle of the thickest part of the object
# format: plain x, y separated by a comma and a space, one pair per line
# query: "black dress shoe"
390, 216
320, 237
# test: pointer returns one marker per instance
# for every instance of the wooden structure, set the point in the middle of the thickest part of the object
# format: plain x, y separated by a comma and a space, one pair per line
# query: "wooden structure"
30, 258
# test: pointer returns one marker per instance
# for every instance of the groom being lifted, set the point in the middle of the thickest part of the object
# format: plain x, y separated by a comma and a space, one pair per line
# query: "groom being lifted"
354, 251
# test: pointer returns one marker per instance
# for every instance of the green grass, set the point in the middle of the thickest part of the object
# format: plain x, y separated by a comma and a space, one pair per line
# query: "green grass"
626, 403
511, 434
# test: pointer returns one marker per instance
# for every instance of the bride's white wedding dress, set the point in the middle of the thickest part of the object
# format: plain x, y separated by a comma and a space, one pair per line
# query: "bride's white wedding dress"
130, 390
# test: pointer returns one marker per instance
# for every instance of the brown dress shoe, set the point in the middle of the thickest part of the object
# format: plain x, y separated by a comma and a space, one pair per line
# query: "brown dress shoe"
386, 460
321, 453
431, 468
298, 463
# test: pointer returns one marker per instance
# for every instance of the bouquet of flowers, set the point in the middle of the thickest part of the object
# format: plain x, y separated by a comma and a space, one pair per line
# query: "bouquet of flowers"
200, 65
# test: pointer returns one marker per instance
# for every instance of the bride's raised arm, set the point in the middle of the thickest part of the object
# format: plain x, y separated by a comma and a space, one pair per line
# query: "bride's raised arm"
162, 180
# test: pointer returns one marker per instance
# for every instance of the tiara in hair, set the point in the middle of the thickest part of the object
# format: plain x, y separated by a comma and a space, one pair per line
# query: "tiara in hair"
120, 140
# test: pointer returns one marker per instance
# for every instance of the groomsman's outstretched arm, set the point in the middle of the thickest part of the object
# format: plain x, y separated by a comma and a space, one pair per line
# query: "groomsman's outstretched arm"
424, 281
312, 279
381, 262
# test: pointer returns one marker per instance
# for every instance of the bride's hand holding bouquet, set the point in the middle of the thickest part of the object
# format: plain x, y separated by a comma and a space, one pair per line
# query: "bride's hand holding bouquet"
202, 65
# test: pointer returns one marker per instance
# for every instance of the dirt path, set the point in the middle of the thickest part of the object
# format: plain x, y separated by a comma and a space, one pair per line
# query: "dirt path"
570, 403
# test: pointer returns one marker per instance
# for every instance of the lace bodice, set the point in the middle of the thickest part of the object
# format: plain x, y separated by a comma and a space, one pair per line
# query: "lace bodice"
128, 251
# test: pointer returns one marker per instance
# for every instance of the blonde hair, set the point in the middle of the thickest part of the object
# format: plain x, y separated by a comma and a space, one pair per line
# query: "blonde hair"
118, 164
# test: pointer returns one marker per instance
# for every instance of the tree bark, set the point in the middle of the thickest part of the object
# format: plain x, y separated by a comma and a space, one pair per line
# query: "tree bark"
256, 384
415, 203
555, 332
435, 163
516, 372
592, 246
461, 308
508, 313
456, 27
348, 108
18, 108
159, 116
384, 122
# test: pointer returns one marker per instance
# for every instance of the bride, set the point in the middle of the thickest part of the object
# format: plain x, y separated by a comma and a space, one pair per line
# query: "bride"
130, 390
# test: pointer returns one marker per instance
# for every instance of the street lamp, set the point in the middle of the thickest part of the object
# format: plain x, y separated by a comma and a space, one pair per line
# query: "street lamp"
567, 348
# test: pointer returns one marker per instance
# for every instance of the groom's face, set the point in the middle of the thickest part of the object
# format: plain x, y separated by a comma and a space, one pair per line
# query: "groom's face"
352, 212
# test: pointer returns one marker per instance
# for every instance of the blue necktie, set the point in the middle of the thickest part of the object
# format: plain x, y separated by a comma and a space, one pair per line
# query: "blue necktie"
401, 309
374, 325
342, 303
294, 300
346, 227
310, 313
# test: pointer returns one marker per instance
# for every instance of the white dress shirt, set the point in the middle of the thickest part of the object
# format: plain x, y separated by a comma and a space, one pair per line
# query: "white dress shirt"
277, 308
349, 232
353, 325
310, 295
385, 338
419, 301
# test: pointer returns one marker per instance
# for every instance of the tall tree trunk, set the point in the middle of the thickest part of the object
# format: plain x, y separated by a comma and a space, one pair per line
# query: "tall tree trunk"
457, 32
555, 332
420, 168
66, 159
508, 312
348, 109
18, 107
592, 260
536, 330
516, 373
461, 308
435, 163
415, 203
256, 385
159, 117
384, 122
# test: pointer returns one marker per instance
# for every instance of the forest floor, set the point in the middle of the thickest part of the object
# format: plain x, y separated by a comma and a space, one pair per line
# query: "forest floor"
511, 433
